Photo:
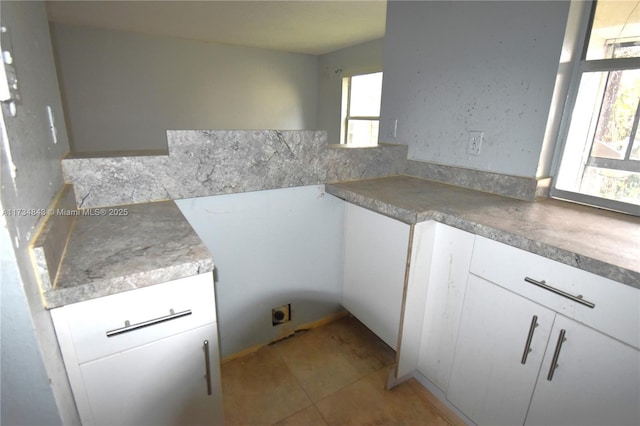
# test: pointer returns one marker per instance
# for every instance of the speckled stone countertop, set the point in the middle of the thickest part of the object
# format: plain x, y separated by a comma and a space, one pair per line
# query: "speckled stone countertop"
598, 241
122, 248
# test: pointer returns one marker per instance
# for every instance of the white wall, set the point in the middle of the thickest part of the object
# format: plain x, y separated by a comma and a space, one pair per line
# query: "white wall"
271, 248
451, 67
123, 90
35, 390
26, 395
332, 67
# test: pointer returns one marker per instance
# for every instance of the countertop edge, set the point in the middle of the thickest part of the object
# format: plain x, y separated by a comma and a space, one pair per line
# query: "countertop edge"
585, 263
58, 297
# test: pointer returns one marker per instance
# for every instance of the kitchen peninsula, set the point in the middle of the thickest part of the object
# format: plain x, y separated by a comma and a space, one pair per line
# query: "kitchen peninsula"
130, 287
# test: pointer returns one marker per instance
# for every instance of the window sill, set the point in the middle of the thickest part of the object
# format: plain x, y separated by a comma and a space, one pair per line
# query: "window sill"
345, 146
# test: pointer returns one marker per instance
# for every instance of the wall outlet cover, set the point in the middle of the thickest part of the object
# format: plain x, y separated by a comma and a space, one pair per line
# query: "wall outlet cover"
281, 314
475, 142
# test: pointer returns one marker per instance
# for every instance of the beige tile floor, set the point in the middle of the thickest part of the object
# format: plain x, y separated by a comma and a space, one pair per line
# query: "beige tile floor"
331, 375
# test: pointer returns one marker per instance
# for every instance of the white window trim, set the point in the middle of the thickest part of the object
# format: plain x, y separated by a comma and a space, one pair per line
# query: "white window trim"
346, 106
580, 66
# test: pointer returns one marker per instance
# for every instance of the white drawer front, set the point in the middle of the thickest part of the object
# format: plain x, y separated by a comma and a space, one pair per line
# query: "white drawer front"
617, 306
150, 313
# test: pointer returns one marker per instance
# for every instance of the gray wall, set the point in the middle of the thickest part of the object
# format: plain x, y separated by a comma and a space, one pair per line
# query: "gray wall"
35, 390
123, 90
332, 67
271, 248
451, 67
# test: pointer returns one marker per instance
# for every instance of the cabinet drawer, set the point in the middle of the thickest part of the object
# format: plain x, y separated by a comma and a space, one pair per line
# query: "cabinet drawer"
111, 324
617, 306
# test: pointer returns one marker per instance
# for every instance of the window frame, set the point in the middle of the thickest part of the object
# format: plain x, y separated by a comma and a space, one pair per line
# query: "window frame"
580, 67
346, 109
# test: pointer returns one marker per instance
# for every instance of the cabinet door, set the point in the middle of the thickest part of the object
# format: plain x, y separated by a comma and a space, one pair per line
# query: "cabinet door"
488, 382
596, 381
160, 383
375, 262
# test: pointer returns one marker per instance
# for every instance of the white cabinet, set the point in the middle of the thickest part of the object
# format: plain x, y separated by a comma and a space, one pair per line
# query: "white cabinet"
147, 356
481, 322
375, 262
440, 258
161, 383
489, 382
375, 271
587, 333
617, 306
596, 381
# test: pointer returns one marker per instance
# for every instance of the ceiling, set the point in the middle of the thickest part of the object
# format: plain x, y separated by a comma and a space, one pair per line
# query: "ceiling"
310, 27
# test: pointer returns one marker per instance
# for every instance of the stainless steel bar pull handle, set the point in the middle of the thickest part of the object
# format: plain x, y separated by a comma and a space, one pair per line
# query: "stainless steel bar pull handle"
556, 354
207, 366
527, 346
577, 299
131, 327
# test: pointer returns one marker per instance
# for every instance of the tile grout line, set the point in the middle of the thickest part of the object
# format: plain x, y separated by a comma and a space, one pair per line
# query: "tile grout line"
362, 376
303, 408
277, 350
345, 386
314, 403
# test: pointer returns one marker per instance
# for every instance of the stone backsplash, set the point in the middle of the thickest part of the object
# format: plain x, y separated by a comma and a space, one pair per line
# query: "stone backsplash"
210, 162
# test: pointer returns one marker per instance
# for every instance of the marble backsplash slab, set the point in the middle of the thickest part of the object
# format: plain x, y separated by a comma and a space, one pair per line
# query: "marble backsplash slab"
202, 163
211, 162
49, 245
520, 188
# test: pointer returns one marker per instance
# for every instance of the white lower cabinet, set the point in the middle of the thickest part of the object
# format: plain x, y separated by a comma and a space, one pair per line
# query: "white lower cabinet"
561, 349
489, 383
145, 357
596, 380
161, 383
485, 323
375, 262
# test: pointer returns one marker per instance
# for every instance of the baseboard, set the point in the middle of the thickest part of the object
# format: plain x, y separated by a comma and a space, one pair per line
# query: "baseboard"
440, 396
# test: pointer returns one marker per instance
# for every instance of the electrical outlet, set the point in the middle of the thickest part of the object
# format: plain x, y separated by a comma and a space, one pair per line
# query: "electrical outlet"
281, 314
475, 142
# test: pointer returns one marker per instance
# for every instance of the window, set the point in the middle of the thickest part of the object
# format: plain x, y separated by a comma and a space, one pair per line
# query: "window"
361, 96
600, 160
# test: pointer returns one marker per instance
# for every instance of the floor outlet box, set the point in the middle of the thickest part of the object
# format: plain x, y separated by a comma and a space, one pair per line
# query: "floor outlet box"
281, 314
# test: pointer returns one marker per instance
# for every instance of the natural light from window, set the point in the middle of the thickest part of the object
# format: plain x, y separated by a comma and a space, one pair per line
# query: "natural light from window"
361, 95
601, 151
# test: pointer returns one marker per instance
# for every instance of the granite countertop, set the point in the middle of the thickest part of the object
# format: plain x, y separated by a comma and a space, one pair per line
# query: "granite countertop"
117, 249
598, 241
